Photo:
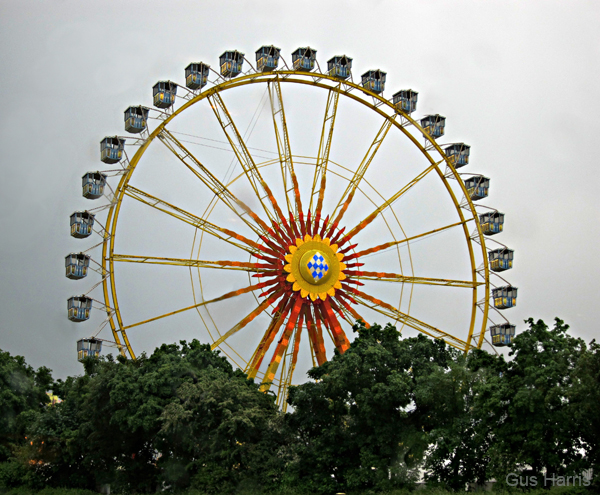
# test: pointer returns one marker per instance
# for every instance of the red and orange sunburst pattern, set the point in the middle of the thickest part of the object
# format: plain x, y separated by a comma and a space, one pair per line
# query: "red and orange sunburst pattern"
306, 266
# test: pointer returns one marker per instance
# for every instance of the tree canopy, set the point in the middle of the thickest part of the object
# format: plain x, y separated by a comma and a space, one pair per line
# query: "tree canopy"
376, 418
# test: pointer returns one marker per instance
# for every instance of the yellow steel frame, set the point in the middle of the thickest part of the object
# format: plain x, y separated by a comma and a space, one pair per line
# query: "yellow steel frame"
392, 117
283, 147
210, 181
319, 181
354, 183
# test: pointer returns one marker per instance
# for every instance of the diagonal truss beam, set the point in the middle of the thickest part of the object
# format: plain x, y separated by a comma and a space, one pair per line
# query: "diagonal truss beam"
396, 277
204, 225
287, 375
247, 319
260, 187
223, 264
388, 245
228, 295
290, 181
348, 195
316, 336
387, 203
391, 312
282, 345
319, 180
279, 317
211, 182
339, 336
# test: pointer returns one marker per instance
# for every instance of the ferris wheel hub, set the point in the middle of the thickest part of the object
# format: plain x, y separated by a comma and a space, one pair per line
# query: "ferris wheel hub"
315, 267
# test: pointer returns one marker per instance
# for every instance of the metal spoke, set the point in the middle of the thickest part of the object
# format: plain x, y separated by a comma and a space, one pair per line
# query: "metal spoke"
267, 340
245, 158
388, 245
315, 334
247, 319
283, 146
354, 183
319, 180
390, 312
282, 345
228, 295
286, 378
387, 204
349, 308
339, 337
223, 264
395, 277
204, 225
218, 189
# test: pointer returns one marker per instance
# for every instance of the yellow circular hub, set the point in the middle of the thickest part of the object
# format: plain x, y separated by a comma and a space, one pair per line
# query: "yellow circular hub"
315, 267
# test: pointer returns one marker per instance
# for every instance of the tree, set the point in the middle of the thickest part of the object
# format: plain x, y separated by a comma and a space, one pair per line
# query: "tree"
458, 442
527, 407
219, 432
179, 415
585, 401
21, 389
22, 393
360, 423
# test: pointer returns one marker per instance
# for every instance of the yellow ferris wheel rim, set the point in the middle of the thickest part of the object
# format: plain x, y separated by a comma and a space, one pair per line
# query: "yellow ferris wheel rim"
480, 276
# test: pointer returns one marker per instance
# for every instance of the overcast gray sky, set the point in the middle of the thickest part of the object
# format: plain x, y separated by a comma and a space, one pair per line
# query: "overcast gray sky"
517, 80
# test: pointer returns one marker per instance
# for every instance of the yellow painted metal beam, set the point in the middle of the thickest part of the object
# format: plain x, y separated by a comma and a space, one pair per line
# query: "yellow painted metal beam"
391, 244
290, 181
247, 319
228, 295
320, 177
258, 184
396, 277
227, 265
204, 225
389, 202
219, 190
354, 183
390, 312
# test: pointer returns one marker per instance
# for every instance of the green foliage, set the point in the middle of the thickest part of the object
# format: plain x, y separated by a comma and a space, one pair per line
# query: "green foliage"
458, 446
585, 400
526, 407
48, 491
178, 417
361, 423
22, 389
369, 421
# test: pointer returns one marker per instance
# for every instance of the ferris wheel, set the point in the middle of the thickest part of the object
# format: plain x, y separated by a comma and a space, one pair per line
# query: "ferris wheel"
298, 219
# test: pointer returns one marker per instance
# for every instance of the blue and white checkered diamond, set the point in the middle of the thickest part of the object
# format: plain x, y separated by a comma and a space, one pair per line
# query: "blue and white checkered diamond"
317, 267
